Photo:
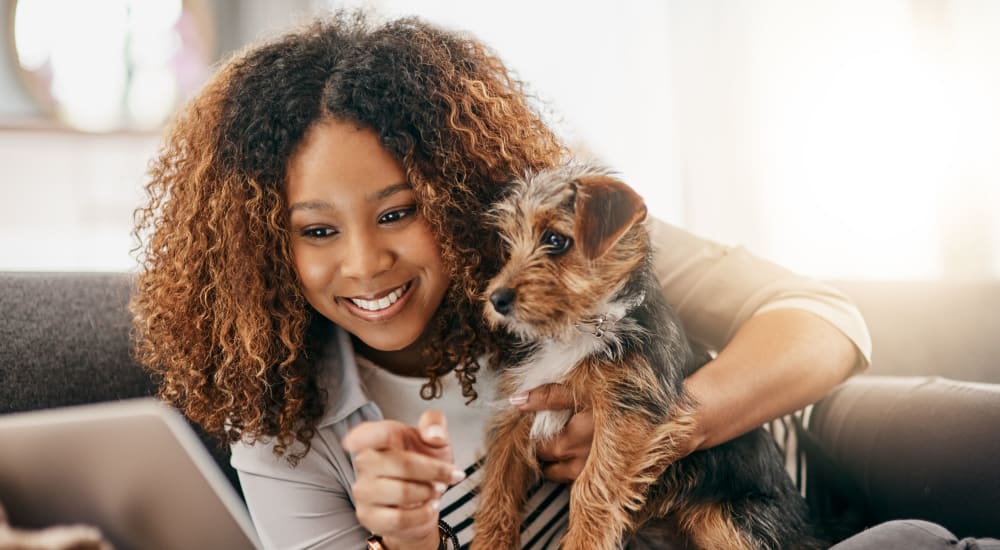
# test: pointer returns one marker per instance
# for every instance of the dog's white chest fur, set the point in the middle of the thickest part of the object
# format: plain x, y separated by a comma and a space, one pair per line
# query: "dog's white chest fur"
552, 363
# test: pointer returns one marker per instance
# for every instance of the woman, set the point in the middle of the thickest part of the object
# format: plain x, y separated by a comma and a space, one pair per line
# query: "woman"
314, 253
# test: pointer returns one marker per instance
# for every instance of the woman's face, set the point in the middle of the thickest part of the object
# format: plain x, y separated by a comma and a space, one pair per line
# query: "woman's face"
364, 257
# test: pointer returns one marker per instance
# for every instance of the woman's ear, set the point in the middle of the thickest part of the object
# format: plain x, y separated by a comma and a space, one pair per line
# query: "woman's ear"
605, 210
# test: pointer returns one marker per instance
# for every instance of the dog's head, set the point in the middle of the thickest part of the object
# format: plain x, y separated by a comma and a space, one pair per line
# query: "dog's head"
572, 237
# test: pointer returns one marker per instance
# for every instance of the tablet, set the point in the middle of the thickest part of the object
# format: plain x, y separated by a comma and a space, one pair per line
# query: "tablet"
135, 469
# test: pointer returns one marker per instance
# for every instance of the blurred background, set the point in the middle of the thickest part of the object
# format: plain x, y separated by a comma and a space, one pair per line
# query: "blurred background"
850, 139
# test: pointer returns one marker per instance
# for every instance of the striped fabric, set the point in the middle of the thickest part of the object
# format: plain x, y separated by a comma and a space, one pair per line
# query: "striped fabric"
544, 522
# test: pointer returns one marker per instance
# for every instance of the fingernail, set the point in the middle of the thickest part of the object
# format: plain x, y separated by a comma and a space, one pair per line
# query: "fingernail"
435, 432
519, 399
440, 487
457, 476
435, 504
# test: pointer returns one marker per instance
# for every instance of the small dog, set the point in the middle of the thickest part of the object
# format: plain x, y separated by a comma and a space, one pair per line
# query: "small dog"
579, 296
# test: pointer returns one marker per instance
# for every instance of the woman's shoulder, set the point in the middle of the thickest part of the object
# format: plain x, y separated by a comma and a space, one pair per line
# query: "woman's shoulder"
325, 460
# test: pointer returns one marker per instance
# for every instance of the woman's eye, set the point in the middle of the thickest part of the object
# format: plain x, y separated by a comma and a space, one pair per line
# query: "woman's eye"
318, 232
397, 215
555, 243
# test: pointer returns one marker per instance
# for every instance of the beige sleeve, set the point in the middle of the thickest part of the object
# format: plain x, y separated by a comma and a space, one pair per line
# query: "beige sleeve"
716, 288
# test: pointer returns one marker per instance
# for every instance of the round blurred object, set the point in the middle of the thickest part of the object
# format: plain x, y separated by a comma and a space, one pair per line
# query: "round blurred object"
109, 65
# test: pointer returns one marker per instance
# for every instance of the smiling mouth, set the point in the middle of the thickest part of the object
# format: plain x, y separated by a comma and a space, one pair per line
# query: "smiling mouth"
383, 301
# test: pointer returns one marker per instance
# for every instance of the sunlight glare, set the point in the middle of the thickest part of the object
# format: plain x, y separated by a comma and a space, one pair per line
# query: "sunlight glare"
107, 64
866, 163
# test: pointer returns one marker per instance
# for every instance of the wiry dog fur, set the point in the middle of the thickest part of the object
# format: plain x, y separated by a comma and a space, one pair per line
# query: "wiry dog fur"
579, 295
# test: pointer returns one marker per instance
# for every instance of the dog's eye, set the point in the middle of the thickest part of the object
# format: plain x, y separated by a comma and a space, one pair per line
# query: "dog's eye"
555, 243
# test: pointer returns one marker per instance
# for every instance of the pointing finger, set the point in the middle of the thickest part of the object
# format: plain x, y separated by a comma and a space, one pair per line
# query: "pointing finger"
434, 428
405, 465
381, 435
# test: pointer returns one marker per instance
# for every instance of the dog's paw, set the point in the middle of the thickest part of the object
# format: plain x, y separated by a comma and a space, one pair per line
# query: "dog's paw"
548, 424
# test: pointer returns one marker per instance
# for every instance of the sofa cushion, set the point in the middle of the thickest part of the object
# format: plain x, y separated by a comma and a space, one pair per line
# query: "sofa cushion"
65, 341
931, 328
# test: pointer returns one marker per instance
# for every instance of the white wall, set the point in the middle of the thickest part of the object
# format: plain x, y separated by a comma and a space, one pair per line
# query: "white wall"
844, 139
66, 199
851, 139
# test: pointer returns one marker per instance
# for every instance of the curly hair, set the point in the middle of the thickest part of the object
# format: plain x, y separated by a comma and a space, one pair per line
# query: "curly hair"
219, 317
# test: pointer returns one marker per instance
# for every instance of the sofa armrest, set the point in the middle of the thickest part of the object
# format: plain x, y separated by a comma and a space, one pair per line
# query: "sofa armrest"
882, 448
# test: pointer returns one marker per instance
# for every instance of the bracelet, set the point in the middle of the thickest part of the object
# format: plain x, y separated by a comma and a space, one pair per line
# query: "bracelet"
447, 535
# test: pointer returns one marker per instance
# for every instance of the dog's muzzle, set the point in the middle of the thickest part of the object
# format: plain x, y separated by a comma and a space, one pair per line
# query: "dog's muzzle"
503, 300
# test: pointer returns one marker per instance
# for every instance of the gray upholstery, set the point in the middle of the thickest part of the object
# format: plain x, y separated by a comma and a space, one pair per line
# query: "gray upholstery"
949, 329
65, 341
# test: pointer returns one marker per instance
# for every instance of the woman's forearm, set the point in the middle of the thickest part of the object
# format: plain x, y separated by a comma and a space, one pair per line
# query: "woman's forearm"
776, 363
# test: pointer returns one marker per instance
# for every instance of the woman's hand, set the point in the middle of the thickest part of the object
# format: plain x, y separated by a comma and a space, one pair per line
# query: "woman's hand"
564, 456
402, 471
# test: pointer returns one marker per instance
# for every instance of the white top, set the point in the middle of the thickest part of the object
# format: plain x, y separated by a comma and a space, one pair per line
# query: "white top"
399, 399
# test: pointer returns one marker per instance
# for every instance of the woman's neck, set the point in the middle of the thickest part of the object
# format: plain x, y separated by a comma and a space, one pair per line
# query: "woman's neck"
412, 360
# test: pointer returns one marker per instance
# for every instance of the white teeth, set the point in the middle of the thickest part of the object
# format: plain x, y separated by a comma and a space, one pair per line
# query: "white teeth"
381, 303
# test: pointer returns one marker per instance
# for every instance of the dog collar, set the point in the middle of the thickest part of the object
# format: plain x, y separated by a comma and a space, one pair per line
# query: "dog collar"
600, 325
596, 326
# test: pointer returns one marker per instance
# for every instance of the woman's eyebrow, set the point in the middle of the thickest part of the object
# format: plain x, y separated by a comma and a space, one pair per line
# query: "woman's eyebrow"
310, 205
389, 191
375, 196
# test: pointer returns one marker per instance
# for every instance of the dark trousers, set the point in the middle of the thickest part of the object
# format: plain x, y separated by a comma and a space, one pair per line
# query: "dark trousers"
913, 535
880, 449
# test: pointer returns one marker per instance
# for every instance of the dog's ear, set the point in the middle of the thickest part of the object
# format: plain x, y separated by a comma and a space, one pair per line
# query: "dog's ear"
605, 209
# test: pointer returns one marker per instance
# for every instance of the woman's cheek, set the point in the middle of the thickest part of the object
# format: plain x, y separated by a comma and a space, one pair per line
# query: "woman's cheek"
313, 269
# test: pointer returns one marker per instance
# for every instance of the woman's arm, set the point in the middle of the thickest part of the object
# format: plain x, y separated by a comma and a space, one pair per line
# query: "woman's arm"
300, 507
783, 340
715, 289
776, 363
311, 506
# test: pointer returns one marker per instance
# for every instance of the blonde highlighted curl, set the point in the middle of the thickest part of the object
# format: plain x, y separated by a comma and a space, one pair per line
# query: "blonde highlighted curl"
218, 315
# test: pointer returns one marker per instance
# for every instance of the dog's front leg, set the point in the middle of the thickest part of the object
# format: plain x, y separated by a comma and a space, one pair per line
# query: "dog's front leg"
599, 515
629, 452
509, 469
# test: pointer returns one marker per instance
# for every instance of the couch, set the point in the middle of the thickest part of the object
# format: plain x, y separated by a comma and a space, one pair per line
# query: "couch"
903, 440
64, 340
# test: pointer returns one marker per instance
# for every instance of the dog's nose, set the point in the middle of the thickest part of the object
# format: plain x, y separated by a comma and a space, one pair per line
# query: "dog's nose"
503, 300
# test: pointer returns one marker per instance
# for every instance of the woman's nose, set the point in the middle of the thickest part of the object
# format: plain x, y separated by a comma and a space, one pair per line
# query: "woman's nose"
367, 255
